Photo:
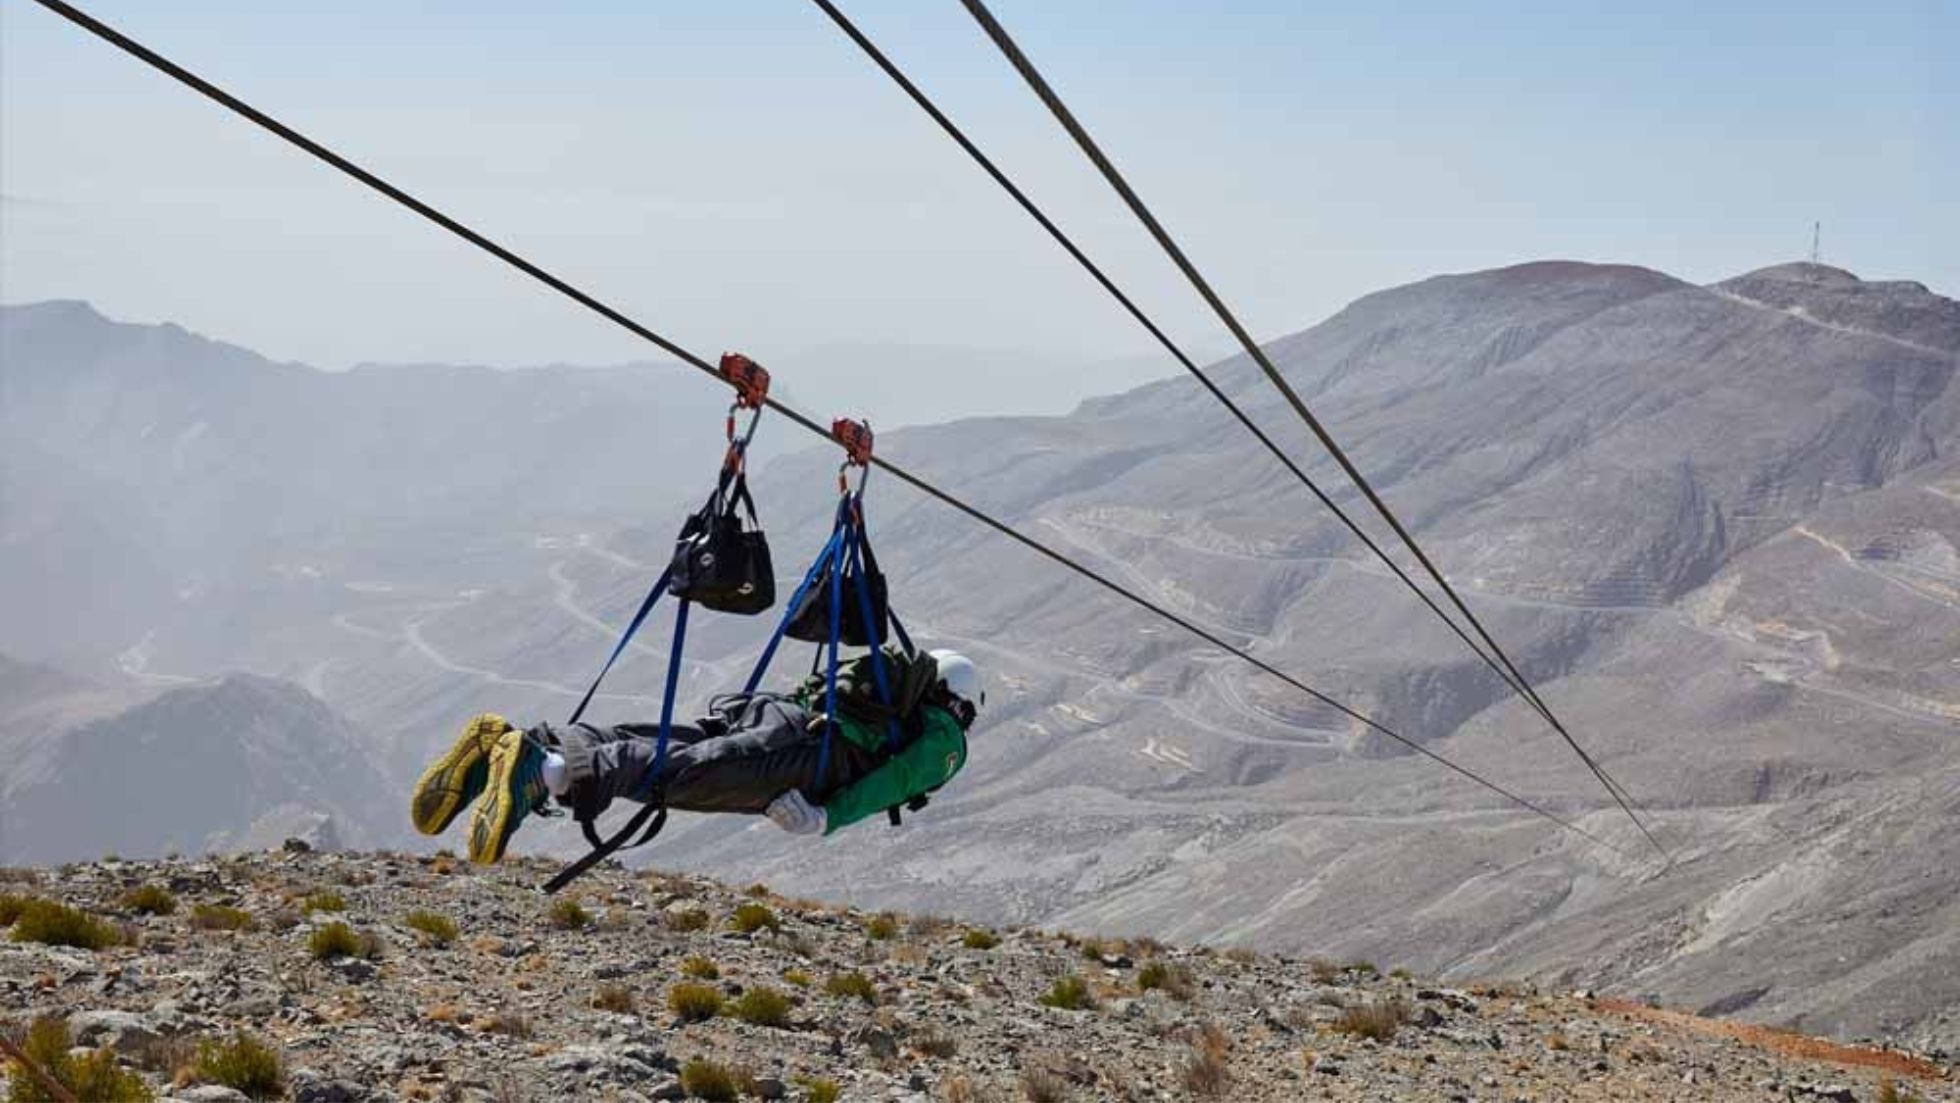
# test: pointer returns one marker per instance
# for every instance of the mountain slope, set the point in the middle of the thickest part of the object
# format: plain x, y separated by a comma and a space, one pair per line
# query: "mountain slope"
517, 1004
1716, 525
200, 767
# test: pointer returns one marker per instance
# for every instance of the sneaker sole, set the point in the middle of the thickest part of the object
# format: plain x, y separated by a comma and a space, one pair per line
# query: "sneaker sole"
458, 775
489, 826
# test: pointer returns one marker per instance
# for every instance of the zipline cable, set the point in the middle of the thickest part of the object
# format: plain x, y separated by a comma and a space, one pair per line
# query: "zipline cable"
1508, 674
1048, 96
225, 99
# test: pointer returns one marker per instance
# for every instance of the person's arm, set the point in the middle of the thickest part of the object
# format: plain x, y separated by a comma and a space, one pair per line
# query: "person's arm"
927, 763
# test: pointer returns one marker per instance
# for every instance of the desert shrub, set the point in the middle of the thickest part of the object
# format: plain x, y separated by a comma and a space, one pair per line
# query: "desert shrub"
692, 919
1070, 993
1323, 971
797, 977
616, 998
323, 902
1400, 973
567, 914
705, 1079
700, 968
763, 1007
1207, 1072
934, 1042
758, 891
1363, 968
1239, 955
750, 918
243, 1064
1174, 980
694, 1003
11, 905
852, 986
439, 928
94, 1076
819, 1090
1042, 1085
1377, 1020
53, 924
217, 917
337, 939
509, 1022
882, 926
980, 940
150, 900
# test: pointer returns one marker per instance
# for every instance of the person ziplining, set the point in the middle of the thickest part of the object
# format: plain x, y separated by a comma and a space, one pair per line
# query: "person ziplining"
461, 778
878, 734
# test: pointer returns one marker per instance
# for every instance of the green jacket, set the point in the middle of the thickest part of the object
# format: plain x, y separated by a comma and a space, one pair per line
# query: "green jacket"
925, 763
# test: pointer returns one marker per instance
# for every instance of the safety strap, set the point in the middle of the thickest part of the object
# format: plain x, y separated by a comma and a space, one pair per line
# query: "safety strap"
655, 808
878, 675
632, 628
605, 848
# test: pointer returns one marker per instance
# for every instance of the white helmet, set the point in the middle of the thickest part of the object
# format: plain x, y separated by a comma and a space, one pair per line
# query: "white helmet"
962, 678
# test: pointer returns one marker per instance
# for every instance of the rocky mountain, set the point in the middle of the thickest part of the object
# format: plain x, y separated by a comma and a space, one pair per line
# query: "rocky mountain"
372, 978
1716, 525
206, 767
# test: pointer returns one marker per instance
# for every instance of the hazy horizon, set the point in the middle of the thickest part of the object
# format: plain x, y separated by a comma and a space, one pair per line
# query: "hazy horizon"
739, 177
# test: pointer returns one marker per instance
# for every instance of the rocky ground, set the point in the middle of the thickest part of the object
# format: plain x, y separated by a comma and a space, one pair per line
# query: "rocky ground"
532, 998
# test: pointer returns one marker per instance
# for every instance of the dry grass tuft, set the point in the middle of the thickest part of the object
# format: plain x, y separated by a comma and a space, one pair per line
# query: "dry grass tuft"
762, 1007
1070, 993
694, 1003
1207, 1072
244, 1063
439, 929
692, 919
852, 985
567, 914
1379, 1020
707, 1080
150, 900
750, 918
1172, 979
616, 998
54, 924
218, 917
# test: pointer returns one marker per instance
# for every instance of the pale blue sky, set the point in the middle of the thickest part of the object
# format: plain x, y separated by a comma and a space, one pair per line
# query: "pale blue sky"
738, 176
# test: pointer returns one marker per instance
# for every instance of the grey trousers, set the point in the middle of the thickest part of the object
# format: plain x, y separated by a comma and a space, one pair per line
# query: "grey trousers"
720, 764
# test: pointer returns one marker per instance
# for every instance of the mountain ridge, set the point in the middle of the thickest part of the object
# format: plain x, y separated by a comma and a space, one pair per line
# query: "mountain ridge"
1661, 498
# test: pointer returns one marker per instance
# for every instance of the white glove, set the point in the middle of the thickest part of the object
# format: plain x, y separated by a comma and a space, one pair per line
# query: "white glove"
797, 816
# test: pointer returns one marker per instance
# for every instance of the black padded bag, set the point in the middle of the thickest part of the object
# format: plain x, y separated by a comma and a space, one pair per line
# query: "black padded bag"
721, 558
810, 620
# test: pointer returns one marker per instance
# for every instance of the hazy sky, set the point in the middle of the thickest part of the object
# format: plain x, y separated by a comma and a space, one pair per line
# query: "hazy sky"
737, 175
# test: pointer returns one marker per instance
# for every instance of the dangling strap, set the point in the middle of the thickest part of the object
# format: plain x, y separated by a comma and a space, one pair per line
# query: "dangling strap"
605, 848
655, 807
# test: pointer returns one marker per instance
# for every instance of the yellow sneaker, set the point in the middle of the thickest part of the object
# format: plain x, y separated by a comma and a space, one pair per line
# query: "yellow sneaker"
515, 788
454, 780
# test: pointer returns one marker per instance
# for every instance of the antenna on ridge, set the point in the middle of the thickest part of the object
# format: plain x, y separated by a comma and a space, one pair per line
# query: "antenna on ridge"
1816, 237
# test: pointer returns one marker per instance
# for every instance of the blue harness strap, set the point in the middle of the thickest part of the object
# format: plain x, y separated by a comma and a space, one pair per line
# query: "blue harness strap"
856, 567
795, 602
847, 530
653, 598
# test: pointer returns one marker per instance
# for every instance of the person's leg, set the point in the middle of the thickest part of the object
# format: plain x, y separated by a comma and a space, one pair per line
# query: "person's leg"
770, 749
